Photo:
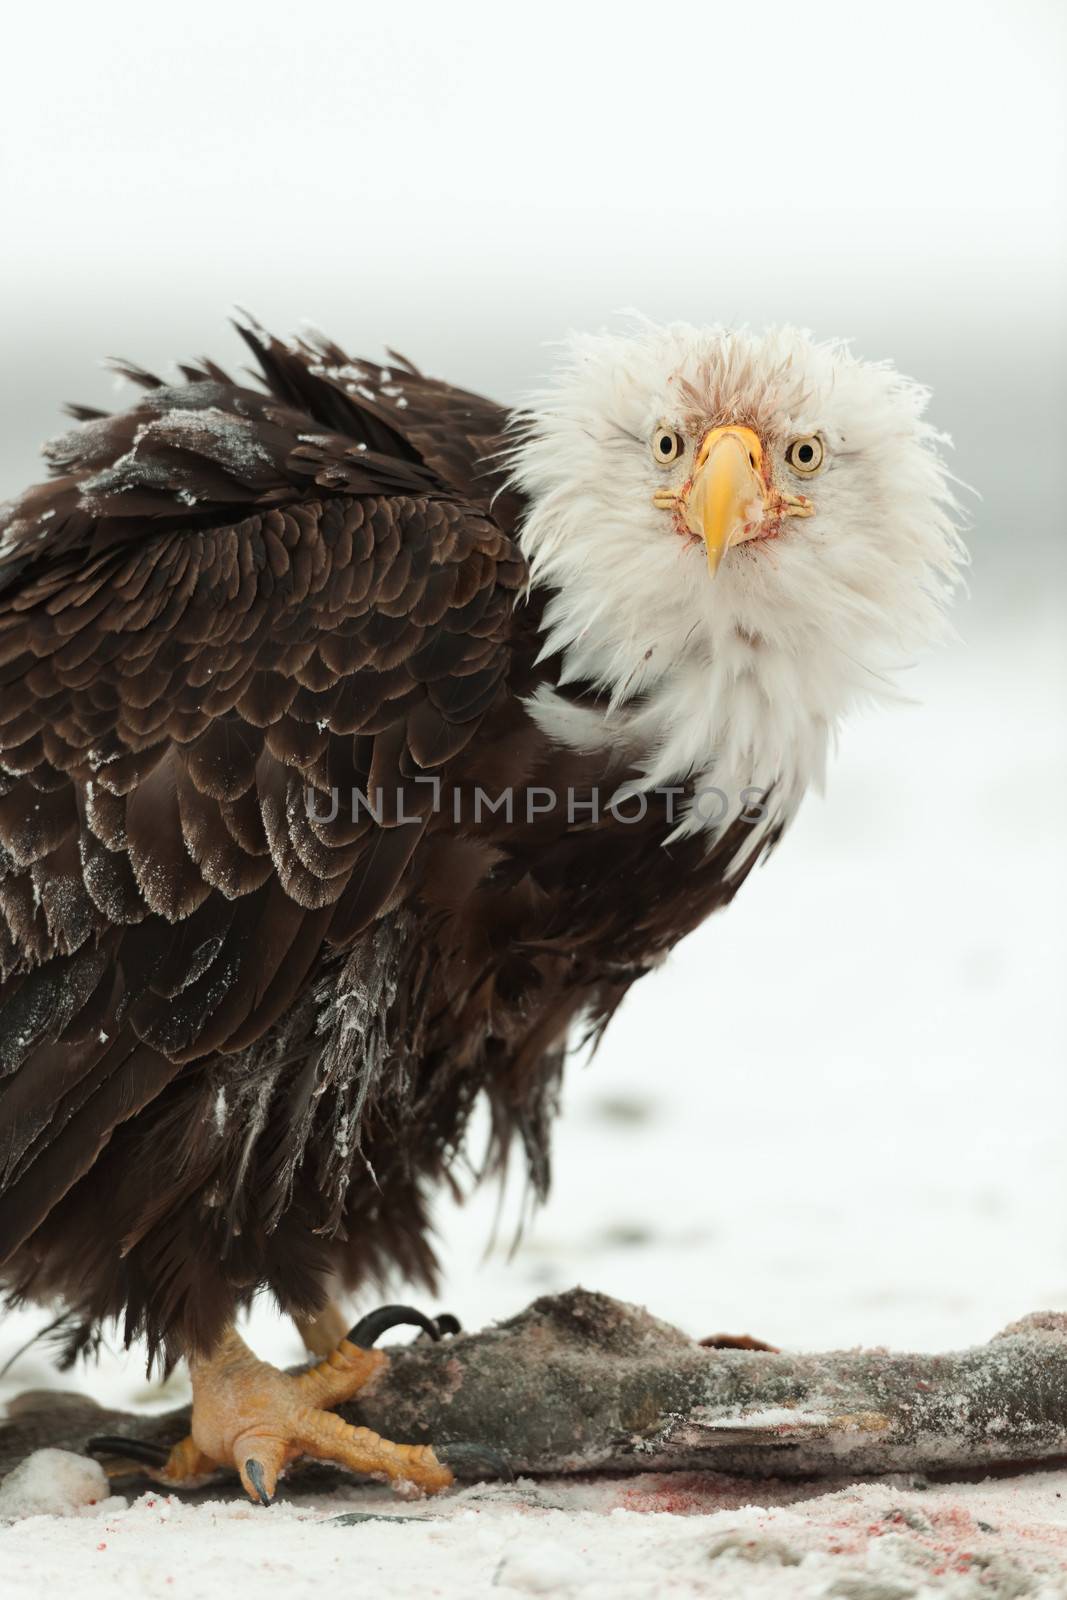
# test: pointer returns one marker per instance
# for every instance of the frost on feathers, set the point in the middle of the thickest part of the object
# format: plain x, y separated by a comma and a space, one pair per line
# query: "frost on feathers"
341, 1073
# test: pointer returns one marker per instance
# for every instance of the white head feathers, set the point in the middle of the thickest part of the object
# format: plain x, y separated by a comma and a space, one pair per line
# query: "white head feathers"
739, 679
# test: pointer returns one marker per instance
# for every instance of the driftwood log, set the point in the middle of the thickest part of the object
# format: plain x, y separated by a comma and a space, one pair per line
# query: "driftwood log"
582, 1383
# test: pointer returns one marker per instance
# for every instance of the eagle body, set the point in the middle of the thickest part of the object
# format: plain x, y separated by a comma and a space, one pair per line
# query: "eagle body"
344, 778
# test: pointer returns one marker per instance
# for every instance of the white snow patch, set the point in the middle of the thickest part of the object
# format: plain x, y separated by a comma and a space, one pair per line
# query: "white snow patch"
55, 1483
770, 1418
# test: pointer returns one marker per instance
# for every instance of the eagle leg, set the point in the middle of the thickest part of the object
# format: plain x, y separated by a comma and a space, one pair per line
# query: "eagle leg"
324, 1331
249, 1415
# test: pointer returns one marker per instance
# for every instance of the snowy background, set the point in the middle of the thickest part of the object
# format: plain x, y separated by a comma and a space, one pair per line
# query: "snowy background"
838, 1115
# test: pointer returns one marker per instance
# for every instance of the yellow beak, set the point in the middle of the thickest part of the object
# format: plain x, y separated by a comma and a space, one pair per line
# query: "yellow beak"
727, 498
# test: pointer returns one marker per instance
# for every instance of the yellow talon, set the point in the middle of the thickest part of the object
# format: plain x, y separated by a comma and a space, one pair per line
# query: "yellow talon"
249, 1415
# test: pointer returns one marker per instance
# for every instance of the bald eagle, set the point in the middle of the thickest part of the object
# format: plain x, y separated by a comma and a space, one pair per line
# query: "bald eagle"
361, 744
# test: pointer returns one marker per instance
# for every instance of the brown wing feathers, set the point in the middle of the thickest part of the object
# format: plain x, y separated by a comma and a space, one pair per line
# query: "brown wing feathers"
224, 597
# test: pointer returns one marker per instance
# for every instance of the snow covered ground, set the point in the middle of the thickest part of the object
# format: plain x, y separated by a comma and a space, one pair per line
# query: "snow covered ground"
835, 1118
620, 1541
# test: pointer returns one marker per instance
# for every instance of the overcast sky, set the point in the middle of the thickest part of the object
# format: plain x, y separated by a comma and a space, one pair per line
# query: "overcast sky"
453, 137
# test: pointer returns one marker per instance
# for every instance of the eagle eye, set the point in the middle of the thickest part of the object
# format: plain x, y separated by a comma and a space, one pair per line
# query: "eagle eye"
806, 455
667, 445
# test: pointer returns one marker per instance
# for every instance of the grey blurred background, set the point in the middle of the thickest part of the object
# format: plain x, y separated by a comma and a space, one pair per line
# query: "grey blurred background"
843, 1108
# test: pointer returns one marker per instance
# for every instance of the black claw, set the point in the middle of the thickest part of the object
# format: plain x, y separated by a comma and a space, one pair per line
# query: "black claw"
371, 1327
112, 1444
475, 1462
254, 1472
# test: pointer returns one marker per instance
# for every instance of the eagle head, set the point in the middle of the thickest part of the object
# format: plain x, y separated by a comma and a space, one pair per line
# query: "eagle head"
741, 536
